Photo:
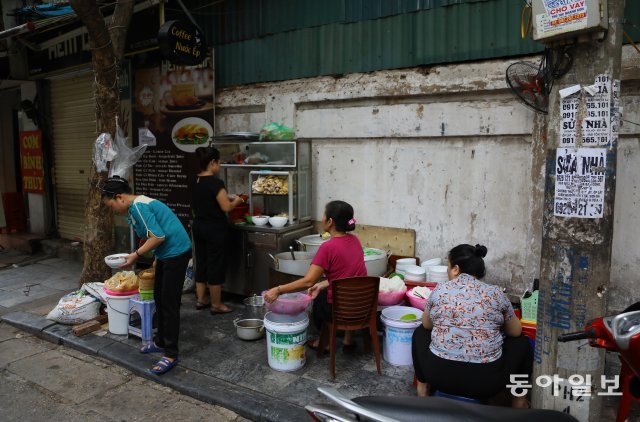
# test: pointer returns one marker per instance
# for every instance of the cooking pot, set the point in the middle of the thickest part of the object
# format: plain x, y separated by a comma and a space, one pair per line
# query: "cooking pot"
285, 263
311, 243
254, 307
376, 263
249, 329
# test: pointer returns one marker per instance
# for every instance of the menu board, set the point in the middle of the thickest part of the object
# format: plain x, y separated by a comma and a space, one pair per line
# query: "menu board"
173, 116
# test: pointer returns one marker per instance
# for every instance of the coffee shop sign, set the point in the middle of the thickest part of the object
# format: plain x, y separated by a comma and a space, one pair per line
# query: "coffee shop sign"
181, 43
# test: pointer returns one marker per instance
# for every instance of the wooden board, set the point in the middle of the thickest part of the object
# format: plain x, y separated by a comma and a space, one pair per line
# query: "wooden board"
391, 239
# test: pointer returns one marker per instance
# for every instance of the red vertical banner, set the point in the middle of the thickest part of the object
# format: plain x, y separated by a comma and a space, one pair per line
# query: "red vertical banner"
31, 161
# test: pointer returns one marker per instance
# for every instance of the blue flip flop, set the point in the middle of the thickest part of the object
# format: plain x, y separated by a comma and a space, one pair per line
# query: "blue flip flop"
151, 348
164, 364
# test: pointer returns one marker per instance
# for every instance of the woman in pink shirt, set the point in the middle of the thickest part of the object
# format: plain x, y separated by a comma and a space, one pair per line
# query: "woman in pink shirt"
340, 257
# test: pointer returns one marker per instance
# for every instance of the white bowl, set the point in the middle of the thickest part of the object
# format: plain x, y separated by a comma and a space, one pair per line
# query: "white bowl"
278, 221
432, 262
438, 269
406, 261
260, 220
115, 260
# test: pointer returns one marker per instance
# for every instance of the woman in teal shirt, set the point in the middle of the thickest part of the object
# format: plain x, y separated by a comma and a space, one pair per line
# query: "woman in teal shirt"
166, 237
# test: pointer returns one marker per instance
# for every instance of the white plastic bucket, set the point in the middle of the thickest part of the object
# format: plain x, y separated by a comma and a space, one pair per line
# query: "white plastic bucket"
118, 312
286, 337
396, 348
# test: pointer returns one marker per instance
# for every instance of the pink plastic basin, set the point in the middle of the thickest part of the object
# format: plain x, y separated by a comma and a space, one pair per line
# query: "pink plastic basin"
289, 303
415, 301
112, 293
390, 298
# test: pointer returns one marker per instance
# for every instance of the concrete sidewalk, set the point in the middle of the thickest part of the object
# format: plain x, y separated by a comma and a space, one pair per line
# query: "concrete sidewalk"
41, 381
215, 366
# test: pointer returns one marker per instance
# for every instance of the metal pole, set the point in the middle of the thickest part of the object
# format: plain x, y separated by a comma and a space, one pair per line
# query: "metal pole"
576, 249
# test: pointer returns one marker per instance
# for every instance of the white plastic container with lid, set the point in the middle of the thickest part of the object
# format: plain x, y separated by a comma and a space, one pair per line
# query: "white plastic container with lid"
415, 273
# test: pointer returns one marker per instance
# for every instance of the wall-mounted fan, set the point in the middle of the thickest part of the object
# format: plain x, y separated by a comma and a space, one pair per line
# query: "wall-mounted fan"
532, 84
527, 82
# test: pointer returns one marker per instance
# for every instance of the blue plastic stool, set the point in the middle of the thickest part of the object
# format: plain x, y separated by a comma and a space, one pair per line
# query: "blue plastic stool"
439, 393
144, 308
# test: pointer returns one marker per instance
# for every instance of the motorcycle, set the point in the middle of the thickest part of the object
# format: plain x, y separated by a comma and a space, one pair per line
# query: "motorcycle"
621, 334
420, 409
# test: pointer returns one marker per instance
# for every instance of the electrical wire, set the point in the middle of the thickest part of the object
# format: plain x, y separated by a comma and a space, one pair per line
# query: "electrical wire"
628, 121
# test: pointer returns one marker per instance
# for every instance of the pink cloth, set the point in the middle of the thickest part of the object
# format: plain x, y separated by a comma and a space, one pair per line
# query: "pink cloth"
340, 257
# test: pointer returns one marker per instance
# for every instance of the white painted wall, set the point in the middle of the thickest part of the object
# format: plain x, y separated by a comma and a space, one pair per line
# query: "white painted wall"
447, 152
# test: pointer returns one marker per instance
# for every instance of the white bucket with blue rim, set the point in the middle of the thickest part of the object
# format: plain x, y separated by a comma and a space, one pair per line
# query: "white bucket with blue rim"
398, 333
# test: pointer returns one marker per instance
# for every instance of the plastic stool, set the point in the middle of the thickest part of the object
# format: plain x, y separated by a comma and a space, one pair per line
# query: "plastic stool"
144, 308
439, 393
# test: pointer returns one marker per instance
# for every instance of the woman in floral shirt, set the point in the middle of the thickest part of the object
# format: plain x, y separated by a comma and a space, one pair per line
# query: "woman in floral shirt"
470, 340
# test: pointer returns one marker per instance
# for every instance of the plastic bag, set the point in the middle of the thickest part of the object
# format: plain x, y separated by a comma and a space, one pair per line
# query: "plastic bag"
274, 131
103, 151
75, 308
189, 283
124, 281
125, 157
95, 289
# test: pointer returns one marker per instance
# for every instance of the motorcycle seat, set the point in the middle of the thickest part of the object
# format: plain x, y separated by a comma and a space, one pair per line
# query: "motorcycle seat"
420, 409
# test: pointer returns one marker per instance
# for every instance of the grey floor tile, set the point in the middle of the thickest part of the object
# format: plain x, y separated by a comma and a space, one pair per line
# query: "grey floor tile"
14, 350
84, 382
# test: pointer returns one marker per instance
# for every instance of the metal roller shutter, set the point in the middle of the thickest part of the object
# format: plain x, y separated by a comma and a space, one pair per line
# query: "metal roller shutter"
74, 133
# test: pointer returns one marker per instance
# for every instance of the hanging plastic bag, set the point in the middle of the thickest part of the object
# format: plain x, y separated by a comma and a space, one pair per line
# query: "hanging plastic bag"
274, 131
103, 152
126, 157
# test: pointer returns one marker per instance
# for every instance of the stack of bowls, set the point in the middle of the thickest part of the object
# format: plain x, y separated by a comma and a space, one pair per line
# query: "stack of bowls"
403, 263
415, 273
431, 262
437, 274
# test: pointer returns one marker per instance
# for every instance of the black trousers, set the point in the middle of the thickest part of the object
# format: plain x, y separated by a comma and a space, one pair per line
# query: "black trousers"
321, 309
167, 291
474, 380
210, 240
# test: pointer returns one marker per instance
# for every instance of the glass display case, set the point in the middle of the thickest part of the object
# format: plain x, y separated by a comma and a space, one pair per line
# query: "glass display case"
276, 174
277, 177
266, 154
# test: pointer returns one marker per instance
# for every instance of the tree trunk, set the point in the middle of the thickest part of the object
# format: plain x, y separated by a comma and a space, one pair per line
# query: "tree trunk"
107, 49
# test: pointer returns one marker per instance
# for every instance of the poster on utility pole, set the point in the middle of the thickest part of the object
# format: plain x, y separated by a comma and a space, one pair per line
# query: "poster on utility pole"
580, 177
596, 118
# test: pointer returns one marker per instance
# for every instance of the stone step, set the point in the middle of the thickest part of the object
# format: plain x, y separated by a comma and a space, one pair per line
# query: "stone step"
24, 242
64, 249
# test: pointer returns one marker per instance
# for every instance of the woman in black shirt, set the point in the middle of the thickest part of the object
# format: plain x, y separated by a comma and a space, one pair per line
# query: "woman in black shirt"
210, 203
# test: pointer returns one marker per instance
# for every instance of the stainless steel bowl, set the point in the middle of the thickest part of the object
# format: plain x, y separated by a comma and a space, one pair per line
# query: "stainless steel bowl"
249, 329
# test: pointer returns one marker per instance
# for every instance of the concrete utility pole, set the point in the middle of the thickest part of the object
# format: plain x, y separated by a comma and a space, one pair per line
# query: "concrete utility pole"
576, 252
